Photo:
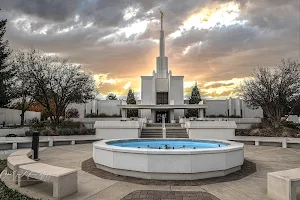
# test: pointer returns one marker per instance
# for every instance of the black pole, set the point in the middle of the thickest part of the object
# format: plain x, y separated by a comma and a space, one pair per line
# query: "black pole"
35, 144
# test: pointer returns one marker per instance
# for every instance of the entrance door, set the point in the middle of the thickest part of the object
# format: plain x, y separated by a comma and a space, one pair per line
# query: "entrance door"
159, 116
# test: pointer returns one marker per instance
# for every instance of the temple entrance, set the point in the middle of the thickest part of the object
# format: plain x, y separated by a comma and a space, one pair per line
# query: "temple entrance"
159, 116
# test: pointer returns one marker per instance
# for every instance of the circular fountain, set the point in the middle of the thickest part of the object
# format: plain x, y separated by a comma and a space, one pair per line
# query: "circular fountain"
168, 159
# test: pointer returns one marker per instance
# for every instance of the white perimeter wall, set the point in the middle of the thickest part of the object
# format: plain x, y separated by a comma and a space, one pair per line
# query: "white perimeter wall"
234, 106
12, 116
109, 107
215, 107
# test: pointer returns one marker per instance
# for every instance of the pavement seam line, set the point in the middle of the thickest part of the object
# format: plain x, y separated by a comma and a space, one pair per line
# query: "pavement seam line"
72, 149
102, 190
292, 151
233, 188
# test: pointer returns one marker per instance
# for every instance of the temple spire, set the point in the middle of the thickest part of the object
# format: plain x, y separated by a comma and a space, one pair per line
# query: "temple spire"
162, 60
162, 36
161, 19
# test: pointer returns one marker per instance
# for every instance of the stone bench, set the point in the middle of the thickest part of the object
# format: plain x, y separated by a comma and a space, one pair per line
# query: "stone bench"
282, 185
23, 152
64, 180
14, 162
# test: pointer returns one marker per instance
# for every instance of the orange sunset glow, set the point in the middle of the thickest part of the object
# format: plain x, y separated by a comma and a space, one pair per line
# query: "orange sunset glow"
214, 43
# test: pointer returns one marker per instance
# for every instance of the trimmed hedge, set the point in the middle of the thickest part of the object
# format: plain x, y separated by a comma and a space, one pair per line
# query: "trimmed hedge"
10, 194
102, 115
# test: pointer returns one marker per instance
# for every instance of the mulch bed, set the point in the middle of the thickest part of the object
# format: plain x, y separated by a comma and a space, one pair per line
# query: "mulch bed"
247, 169
168, 195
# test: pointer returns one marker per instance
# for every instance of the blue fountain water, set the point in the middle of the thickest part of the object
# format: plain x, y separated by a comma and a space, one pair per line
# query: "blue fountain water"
167, 144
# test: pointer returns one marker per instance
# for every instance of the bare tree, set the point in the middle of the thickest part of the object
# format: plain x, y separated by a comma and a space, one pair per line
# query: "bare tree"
20, 91
56, 83
273, 90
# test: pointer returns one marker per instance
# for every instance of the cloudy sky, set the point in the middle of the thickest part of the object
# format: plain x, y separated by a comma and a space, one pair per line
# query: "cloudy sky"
214, 42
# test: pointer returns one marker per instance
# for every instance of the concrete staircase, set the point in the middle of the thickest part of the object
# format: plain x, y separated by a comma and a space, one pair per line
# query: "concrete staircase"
155, 131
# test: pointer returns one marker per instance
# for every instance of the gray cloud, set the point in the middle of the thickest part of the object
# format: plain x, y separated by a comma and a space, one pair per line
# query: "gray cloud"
88, 32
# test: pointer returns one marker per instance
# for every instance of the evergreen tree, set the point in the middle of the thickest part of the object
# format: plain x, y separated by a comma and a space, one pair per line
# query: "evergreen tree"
5, 72
194, 99
131, 100
111, 96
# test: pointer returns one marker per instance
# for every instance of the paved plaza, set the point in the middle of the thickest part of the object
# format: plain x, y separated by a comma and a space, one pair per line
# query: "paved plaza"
251, 187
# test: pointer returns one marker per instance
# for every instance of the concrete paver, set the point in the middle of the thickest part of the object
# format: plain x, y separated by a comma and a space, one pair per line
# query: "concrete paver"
252, 187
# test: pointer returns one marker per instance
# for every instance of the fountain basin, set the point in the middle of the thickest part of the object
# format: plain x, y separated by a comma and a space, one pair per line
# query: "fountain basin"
133, 157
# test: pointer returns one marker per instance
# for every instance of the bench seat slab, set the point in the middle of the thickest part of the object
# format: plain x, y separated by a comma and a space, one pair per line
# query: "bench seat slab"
23, 152
64, 180
14, 162
282, 185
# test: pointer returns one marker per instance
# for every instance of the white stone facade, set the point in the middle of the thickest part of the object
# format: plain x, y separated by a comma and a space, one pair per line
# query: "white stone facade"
215, 107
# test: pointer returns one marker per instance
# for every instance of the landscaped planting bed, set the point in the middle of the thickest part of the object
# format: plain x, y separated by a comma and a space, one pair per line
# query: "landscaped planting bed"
7, 193
64, 128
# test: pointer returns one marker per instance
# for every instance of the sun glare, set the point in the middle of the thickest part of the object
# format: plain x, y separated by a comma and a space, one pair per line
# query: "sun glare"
218, 15
127, 86
135, 28
130, 12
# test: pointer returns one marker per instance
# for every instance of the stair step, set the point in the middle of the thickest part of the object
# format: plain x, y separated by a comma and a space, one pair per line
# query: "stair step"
160, 125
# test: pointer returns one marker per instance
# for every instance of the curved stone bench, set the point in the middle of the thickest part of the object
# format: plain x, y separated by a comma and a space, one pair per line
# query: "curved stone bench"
23, 152
282, 185
26, 171
14, 162
16, 159
64, 180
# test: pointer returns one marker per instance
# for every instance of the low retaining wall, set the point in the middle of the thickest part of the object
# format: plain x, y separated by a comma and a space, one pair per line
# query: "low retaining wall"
7, 143
244, 123
283, 142
16, 131
241, 123
118, 129
221, 130
90, 122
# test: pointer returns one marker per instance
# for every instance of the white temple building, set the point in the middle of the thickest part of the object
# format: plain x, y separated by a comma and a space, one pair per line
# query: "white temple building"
162, 94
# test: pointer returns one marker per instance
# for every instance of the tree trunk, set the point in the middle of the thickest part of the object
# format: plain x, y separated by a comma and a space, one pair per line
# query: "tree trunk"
57, 119
22, 118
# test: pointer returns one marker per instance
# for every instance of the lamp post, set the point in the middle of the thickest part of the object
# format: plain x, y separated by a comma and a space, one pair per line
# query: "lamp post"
164, 126
35, 144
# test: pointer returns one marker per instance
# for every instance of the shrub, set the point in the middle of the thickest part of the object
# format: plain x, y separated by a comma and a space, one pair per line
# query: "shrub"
65, 131
11, 135
235, 116
289, 124
64, 128
48, 132
212, 116
101, 115
34, 121
72, 113
70, 124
